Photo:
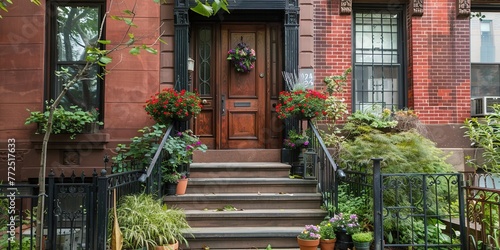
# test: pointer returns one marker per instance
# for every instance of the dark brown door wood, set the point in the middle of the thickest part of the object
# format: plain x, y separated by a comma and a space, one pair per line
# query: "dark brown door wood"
242, 96
238, 107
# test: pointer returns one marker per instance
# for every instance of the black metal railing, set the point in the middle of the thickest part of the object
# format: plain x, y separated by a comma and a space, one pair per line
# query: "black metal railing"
123, 184
328, 171
419, 210
152, 176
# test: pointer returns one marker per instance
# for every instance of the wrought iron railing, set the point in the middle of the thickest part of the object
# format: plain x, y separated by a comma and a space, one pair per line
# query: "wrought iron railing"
328, 171
152, 176
483, 212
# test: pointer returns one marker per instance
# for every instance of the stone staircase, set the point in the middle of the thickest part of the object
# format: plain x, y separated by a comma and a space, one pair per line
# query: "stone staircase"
244, 199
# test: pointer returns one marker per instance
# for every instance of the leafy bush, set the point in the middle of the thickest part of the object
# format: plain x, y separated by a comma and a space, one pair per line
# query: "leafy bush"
406, 152
486, 134
72, 121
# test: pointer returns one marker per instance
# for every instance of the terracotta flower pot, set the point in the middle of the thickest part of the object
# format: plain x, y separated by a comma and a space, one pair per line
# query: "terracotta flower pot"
181, 186
169, 247
327, 244
308, 244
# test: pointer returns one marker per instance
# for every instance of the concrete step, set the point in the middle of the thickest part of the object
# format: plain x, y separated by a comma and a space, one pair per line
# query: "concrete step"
250, 185
238, 155
239, 170
245, 200
243, 238
255, 217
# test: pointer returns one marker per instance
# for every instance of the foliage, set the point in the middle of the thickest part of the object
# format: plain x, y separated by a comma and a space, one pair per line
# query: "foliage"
345, 222
181, 147
362, 237
171, 177
349, 203
72, 121
296, 140
406, 152
169, 105
486, 135
140, 150
301, 103
310, 232
146, 222
336, 110
242, 57
326, 230
363, 122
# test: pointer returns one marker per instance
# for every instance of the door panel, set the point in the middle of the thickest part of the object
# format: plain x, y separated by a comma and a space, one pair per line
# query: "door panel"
243, 120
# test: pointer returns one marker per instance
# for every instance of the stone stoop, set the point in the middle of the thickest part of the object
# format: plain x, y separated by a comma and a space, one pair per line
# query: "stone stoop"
269, 207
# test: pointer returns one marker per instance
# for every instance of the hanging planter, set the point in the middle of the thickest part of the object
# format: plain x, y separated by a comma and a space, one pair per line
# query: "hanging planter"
242, 57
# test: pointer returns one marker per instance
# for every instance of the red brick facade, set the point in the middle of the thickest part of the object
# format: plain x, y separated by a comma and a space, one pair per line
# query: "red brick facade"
438, 67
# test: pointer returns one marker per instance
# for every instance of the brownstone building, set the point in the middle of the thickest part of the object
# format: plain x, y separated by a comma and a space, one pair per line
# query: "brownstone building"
429, 56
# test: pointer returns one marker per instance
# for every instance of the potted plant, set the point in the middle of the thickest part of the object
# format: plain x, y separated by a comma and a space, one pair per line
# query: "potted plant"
146, 223
292, 150
172, 105
308, 239
180, 148
181, 184
73, 120
362, 240
301, 104
170, 179
328, 238
345, 225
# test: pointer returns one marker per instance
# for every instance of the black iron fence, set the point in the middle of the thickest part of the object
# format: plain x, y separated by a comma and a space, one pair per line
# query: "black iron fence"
417, 210
77, 209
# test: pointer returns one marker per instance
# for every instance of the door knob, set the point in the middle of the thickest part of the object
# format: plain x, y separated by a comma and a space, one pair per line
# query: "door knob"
204, 101
261, 75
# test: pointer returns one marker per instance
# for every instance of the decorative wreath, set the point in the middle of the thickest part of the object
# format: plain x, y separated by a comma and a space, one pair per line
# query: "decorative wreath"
242, 57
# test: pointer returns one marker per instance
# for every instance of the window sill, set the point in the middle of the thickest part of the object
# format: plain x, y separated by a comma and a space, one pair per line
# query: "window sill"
96, 141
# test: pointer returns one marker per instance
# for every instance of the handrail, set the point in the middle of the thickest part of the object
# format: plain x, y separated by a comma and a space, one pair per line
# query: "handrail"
157, 154
328, 169
317, 136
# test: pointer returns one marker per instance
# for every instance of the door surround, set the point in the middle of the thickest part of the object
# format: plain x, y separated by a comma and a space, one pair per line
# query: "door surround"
290, 16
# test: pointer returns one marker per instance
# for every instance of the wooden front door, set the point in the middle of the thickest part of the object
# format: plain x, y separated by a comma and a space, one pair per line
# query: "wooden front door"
243, 95
239, 109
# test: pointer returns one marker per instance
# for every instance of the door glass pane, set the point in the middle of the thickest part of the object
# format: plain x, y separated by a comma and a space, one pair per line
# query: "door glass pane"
204, 57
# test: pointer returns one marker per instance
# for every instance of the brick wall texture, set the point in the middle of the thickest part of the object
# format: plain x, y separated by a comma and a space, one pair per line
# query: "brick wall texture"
437, 57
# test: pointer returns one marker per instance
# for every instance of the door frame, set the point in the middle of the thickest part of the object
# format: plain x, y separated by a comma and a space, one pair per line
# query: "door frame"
266, 9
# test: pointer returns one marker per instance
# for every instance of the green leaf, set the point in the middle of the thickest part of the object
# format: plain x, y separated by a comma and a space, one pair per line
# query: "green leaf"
128, 12
202, 9
116, 18
129, 22
105, 60
104, 41
151, 50
135, 51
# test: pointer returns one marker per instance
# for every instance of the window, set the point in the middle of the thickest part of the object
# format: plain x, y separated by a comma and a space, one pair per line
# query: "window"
485, 58
74, 27
378, 66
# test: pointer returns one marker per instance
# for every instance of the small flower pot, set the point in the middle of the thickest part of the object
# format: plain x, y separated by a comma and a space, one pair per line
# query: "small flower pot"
181, 186
327, 244
308, 244
362, 245
344, 241
170, 188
